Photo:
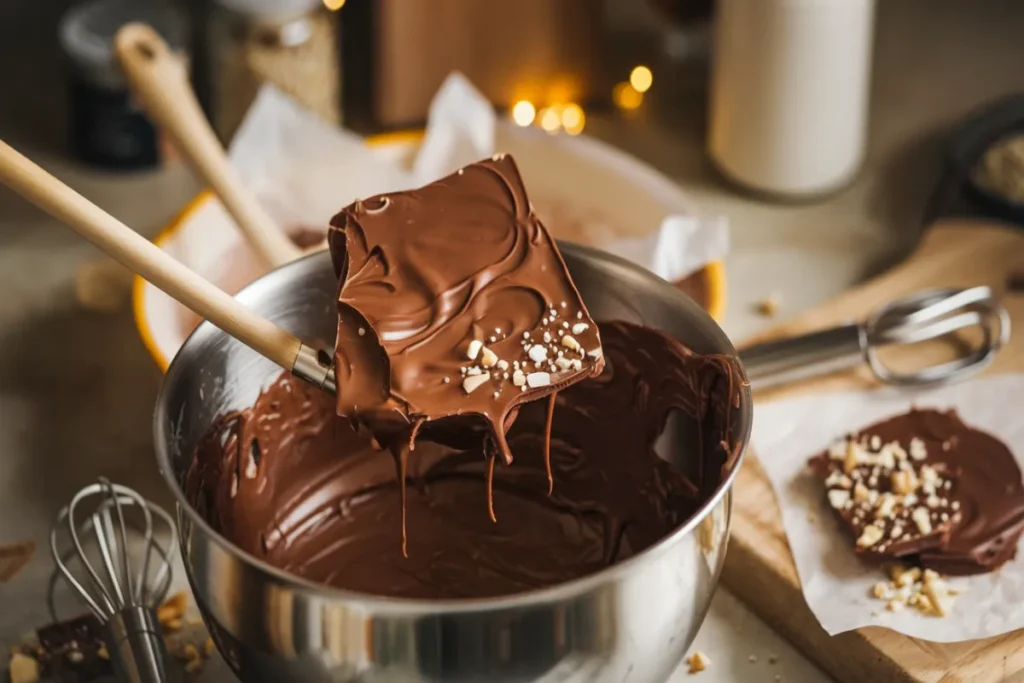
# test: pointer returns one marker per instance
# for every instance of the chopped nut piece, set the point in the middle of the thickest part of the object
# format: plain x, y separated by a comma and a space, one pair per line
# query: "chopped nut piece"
538, 379
860, 493
580, 328
769, 306
871, 535
838, 479
474, 349
488, 358
698, 662
876, 442
24, 669
918, 451
894, 605
922, 518
907, 577
474, 382
837, 498
570, 343
904, 482
854, 456
880, 590
886, 506
173, 608
537, 353
519, 378
503, 365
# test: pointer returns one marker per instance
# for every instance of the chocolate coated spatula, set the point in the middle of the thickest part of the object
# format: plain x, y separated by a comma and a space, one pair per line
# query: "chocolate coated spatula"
149, 261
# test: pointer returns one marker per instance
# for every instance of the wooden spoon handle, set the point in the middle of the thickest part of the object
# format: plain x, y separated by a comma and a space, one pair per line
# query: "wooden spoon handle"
145, 258
158, 79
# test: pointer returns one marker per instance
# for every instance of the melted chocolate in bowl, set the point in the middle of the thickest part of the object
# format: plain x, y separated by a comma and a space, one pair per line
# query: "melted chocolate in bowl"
290, 482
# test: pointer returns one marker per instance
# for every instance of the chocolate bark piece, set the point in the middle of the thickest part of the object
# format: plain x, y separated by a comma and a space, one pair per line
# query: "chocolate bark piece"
893, 497
74, 650
454, 302
988, 495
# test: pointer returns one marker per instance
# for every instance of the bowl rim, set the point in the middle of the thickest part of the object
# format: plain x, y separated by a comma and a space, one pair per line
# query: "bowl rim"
713, 272
526, 599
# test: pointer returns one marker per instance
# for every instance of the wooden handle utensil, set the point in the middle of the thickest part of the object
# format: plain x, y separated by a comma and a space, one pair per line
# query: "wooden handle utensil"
143, 257
159, 81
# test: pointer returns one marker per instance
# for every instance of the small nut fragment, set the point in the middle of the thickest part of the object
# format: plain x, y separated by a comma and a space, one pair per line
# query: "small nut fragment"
838, 479
570, 342
172, 609
580, 328
894, 605
595, 353
488, 358
698, 662
474, 349
538, 379
537, 353
23, 668
886, 506
880, 590
907, 577
518, 378
563, 363
918, 451
838, 498
474, 382
904, 482
922, 518
861, 493
503, 365
871, 535
854, 456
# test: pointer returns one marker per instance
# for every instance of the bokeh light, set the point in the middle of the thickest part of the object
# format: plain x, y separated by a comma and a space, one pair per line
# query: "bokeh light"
626, 97
641, 78
523, 113
573, 119
334, 5
551, 119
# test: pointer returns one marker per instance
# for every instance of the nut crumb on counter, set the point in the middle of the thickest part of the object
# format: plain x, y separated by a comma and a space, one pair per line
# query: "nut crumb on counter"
769, 306
23, 668
698, 662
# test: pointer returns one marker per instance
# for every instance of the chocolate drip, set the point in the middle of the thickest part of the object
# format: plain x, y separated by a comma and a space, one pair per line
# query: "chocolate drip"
325, 504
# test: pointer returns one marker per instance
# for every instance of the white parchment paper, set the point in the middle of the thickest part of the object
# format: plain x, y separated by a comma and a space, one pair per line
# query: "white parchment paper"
835, 582
303, 171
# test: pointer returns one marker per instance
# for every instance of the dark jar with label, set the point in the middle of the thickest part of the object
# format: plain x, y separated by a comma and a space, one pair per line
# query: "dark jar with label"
106, 128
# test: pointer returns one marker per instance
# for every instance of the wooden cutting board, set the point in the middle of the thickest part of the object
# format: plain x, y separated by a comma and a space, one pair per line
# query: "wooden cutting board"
759, 567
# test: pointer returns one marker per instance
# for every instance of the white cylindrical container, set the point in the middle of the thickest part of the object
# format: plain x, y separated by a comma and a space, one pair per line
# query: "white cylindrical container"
789, 93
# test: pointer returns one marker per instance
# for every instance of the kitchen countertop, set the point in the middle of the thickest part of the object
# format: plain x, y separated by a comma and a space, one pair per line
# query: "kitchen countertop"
76, 387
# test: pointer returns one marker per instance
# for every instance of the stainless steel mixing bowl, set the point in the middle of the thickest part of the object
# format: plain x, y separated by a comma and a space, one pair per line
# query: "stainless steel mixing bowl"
631, 623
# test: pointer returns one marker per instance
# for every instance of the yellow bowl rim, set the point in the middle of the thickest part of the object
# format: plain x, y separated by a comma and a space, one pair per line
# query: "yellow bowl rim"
714, 271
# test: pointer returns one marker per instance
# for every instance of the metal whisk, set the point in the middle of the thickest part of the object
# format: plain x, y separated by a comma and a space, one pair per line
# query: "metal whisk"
919, 317
124, 598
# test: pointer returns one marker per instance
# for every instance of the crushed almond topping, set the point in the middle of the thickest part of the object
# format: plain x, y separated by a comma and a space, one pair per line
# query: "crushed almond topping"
871, 535
698, 662
474, 349
474, 382
838, 498
922, 518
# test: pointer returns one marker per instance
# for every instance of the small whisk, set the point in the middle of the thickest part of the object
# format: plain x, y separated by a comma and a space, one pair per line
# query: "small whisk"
125, 593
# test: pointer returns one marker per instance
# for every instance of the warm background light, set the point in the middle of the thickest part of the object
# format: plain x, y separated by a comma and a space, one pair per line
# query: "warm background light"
550, 119
523, 113
641, 79
573, 119
334, 5
626, 97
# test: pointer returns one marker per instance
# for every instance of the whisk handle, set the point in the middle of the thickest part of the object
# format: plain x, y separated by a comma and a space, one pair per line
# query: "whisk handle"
137, 649
787, 360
